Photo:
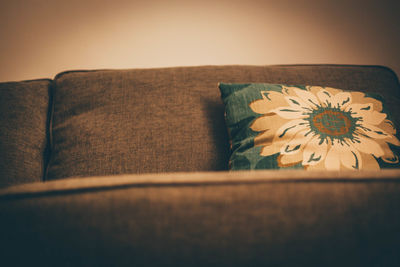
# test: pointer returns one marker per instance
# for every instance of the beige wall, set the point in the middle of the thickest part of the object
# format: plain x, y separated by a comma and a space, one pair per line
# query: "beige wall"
40, 38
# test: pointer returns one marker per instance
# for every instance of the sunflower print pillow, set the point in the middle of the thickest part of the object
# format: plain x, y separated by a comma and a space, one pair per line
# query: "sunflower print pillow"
273, 126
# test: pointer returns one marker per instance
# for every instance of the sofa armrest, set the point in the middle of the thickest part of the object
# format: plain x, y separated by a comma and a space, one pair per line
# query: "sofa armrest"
288, 218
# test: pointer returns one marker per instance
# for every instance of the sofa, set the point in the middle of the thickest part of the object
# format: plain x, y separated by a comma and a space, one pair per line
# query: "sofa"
130, 168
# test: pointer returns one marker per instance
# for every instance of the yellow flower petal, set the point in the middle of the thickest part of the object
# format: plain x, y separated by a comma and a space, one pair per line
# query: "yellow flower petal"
369, 146
332, 160
289, 90
329, 96
350, 157
387, 126
373, 131
308, 97
274, 99
272, 148
265, 122
297, 143
289, 129
369, 162
342, 100
290, 113
260, 106
333, 91
264, 138
389, 156
314, 151
325, 97
359, 97
314, 89
366, 113
298, 103
290, 160
393, 140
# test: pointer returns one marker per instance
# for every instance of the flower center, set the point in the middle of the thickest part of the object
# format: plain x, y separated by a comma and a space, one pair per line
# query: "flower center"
331, 122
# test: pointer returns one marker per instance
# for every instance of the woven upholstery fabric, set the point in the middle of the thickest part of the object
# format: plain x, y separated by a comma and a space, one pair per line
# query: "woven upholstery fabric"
171, 119
23, 137
335, 223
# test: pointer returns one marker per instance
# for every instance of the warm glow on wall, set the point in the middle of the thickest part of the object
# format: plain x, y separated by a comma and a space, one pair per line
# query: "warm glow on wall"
43, 37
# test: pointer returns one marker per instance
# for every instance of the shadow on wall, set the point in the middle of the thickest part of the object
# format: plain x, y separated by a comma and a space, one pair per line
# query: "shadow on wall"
43, 37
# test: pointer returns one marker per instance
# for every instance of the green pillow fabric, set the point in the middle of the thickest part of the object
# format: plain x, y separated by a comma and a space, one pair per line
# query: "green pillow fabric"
275, 126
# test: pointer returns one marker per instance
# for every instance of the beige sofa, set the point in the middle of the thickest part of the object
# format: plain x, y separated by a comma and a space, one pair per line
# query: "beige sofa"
130, 168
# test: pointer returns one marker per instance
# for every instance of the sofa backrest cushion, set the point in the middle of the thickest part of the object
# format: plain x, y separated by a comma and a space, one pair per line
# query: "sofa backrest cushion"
24, 110
170, 119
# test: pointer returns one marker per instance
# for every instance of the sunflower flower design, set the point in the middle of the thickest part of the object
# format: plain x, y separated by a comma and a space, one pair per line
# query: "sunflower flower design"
323, 128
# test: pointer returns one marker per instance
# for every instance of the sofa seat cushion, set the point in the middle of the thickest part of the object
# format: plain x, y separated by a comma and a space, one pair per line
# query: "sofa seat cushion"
258, 218
275, 126
24, 110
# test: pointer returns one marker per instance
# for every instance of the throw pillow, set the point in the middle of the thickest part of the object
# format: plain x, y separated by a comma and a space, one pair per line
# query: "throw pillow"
274, 126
